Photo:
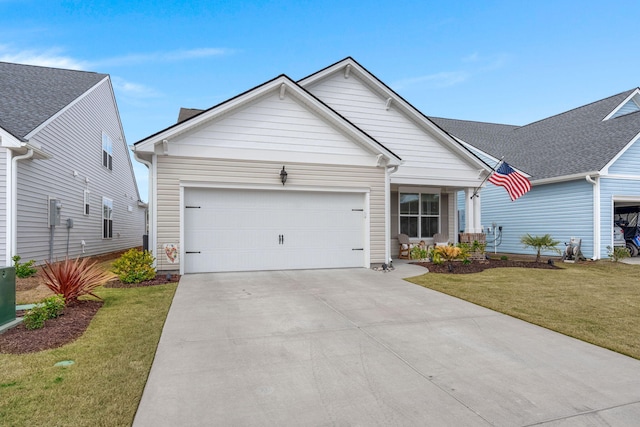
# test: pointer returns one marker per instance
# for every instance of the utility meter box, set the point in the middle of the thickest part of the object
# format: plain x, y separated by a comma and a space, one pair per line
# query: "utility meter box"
55, 206
7, 295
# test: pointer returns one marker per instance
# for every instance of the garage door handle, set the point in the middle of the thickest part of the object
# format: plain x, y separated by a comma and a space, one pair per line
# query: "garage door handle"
192, 207
357, 249
192, 252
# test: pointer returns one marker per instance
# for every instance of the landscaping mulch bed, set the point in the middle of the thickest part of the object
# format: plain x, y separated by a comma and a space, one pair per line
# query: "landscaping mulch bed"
64, 329
160, 279
458, 267
67, 327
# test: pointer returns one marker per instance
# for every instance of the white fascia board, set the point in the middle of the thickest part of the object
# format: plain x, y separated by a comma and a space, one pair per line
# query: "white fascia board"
123, 137
398, 102
290, 89
8, 140
434, 181
635, 139
20, 147
622, 104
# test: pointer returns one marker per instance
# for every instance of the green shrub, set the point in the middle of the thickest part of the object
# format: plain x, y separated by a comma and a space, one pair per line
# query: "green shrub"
465, 251
504, 258
53, 305
48, 308
540, 243
24, 270
34, 318
478, 247
134, 266
617, 253
436, 258
418, 252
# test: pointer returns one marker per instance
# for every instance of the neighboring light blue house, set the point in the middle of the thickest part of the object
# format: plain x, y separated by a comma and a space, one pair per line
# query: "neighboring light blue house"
67, 186
582, 164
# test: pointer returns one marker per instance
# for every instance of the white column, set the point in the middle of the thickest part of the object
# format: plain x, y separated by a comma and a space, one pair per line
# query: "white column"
469, 211
387, 216
477, 212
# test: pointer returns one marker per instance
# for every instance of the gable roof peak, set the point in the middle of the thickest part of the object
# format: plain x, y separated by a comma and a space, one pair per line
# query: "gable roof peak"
31, 94
630, 104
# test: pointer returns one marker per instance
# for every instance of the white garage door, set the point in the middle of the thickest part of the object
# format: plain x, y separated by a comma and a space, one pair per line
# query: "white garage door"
245, 230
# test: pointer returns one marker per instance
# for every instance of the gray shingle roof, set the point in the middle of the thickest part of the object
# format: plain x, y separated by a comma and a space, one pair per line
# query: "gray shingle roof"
574, 142
29, 95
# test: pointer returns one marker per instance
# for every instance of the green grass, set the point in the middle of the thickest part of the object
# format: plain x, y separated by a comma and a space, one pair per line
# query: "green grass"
597, 302
112, 363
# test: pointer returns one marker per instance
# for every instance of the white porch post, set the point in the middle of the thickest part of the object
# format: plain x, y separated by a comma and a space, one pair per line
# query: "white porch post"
469, 216
387, 216
477, 212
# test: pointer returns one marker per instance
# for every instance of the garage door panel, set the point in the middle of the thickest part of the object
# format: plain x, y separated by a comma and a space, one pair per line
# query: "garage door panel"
244, 230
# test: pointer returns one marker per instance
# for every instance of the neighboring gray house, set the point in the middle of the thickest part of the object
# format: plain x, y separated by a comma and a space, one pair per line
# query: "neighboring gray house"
582, 164
63, 157
362, 165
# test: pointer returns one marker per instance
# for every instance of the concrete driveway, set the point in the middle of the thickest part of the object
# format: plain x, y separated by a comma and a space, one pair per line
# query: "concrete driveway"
363, 348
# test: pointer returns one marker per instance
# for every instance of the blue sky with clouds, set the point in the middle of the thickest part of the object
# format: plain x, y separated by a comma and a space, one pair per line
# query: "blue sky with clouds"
496, 61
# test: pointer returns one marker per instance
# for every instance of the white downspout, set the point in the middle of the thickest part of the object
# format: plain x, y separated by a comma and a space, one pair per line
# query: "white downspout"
150, 202
387, 212
12, 230
596, 216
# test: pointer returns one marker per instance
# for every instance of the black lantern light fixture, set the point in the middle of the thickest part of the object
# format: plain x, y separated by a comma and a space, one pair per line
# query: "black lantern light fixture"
283, 175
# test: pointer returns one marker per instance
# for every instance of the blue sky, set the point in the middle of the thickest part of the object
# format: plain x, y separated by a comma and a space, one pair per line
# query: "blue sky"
496, 61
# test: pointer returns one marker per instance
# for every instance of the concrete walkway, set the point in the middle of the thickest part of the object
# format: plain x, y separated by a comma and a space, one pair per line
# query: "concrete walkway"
359, 347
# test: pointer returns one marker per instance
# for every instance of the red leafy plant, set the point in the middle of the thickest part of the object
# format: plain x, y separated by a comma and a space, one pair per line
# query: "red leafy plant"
74, 278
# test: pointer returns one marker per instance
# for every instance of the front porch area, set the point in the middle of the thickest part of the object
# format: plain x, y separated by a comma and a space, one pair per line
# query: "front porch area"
423, 212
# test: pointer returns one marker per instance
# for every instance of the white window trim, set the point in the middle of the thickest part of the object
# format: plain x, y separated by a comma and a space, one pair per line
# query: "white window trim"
87, 203
420, 215
107, 147
106, 202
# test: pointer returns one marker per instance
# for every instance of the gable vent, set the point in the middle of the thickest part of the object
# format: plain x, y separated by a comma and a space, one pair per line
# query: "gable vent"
631, 106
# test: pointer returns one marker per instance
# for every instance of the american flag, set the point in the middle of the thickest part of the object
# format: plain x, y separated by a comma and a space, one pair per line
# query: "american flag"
514, 182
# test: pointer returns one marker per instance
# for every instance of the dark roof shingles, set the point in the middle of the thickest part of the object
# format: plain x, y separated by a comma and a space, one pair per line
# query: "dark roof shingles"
30, 95
570, 143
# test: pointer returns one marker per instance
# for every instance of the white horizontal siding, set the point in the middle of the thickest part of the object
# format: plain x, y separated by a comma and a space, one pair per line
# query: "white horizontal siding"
74, 139
629, 163
271, 124
171, 171
610, 189
423, 154
563, 210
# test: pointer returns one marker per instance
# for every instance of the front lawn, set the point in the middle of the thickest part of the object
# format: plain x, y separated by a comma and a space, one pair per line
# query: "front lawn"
112, 363
597, 302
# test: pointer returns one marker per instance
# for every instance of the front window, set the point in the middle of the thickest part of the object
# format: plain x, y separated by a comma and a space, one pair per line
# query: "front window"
87, 200
107, 151
107, 218
419, 214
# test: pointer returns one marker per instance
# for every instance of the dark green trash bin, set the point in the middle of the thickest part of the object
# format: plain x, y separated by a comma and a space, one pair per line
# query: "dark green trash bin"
7, 295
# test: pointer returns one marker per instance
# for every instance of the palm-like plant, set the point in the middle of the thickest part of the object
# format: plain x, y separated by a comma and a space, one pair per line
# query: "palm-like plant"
540, 243
74, 278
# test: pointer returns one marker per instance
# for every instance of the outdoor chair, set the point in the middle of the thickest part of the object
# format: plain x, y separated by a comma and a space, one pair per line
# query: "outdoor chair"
440, 239
405, 246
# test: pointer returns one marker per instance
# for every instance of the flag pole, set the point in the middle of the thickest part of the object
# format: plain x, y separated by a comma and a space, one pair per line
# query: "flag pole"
475, 192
